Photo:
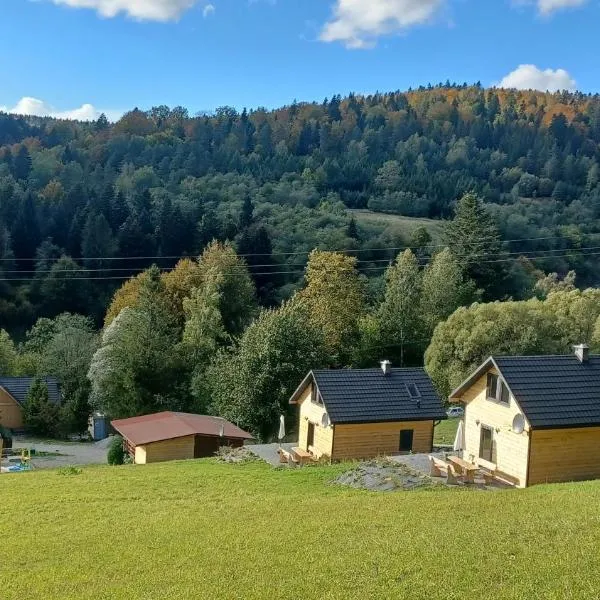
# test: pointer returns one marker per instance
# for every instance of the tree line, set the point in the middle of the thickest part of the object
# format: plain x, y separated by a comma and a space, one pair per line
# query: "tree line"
81, 202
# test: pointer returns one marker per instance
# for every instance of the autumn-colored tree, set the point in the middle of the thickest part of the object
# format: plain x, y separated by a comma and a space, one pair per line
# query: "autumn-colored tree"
334, 297
126, 296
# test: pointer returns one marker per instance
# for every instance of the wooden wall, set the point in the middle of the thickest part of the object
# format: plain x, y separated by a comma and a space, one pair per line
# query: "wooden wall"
310, 412
11, 413
176, 449
511, 449
564, 455
378, 439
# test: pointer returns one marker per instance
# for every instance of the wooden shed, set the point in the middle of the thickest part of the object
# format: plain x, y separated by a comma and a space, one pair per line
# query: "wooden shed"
13, 394
534, 419
176, 436
364, 413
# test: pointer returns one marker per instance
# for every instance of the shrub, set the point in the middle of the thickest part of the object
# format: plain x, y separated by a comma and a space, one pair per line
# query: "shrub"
6, 437
70, 470
116, 453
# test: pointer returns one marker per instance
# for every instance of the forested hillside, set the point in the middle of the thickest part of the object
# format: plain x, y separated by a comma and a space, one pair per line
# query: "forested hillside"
80, 203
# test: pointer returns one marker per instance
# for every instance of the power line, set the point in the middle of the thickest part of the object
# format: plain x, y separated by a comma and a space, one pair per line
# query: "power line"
306, 252
297, 272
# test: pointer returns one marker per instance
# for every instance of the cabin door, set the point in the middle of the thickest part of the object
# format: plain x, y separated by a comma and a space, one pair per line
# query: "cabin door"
406, 440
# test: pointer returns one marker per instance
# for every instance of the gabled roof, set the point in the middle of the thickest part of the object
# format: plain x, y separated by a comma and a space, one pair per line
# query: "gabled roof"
18, 388
369, 396
552, 391
170, 425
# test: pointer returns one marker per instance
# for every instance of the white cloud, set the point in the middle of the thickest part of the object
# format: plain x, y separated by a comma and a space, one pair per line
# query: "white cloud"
39, 108
530, 77
358, 23
547, 7
208, 10
143, 10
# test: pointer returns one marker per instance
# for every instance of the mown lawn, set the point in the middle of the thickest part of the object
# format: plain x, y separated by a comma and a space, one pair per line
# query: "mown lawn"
213, 531
404, 225
445, 432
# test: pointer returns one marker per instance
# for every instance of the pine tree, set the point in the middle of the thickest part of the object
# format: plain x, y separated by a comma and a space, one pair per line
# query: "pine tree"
247, 213
474, 240
40, 416
22, 164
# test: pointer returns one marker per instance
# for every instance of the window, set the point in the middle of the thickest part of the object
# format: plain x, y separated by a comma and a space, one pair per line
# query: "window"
315, 396
310, 435
406, 440
496, 389
504, 393
413, 390
492, 386
486, 445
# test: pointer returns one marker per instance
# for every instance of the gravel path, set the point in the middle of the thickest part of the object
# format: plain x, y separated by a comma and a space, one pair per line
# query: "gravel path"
417, 462
71, 453
268, 452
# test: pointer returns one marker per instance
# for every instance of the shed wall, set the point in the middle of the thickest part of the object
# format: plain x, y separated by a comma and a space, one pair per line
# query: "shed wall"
564, 455
311, 412
11, 413
370, 440
175, 449
511, 449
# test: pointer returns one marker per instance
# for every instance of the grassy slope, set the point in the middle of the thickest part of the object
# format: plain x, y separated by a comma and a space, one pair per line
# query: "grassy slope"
201, 529
404, 225
445, 431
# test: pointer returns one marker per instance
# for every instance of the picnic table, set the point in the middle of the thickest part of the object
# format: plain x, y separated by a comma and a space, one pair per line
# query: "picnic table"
302, 456
466, 469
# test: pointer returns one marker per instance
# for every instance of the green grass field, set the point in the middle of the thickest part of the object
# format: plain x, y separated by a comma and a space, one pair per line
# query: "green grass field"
405, 225
445, 432
200, 529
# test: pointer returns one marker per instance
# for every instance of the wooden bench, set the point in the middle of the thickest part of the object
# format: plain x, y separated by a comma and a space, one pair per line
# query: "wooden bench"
487, 469
441, 468
464, 468
302, 456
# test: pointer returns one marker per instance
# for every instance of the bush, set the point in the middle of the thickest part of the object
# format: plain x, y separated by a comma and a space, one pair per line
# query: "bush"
6, 437
116, 453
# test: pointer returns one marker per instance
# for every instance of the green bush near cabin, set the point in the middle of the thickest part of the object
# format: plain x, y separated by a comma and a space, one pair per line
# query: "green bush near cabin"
202, 529
116, 453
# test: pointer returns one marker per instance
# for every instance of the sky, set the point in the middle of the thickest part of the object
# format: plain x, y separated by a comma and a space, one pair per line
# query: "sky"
78, 58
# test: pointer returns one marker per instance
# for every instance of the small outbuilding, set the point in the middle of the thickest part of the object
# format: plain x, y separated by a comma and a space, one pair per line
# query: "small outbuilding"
348, 414
177, 436
534, 419
13, 395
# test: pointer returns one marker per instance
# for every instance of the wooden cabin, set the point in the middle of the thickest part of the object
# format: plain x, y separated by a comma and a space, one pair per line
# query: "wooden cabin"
534, 419
364, 413
13, 395
167, 436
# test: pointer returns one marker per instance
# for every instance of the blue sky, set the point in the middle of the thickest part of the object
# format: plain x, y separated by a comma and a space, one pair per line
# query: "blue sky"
78, 57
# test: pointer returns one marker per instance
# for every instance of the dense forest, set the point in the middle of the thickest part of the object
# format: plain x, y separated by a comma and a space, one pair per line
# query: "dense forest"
80, 202
206, 263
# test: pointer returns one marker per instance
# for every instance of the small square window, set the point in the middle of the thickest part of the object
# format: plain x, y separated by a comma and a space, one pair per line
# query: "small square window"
504, 393
413, 390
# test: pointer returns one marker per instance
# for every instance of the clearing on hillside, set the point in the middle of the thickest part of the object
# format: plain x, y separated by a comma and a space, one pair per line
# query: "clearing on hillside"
203, 529
404, 225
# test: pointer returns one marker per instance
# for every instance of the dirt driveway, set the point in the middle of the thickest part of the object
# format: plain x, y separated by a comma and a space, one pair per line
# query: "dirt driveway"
70, 453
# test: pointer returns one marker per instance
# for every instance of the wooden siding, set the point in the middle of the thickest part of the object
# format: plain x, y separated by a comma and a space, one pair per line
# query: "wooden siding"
370, 440
175, 449
310, 412
564, 455
11, 413
511, 449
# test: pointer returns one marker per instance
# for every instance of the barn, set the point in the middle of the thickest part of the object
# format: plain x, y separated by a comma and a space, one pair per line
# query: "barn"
168, 435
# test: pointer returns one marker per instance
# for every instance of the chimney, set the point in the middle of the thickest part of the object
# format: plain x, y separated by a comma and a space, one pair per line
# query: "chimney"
386, 367
582, 352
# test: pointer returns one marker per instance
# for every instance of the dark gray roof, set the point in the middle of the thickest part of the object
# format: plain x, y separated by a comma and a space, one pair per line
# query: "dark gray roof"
367, 395
554, 391
18, 387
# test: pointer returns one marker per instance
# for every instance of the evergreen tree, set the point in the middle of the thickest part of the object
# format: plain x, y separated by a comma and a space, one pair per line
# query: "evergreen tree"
22, 164
474, 241
247, 213
40, 416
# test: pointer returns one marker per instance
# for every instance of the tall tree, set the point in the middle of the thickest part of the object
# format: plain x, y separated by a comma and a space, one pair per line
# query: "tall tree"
398, 317
334, 298
251, 386
474, 240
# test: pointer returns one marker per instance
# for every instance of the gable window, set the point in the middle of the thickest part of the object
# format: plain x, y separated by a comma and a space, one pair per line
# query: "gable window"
492, 386
315, 396
486, 444
310, 435
504, 393
496, 389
